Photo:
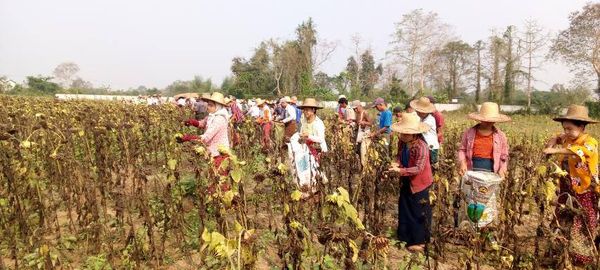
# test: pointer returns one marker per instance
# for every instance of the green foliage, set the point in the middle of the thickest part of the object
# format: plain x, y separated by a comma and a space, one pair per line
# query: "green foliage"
37, 85
557, 98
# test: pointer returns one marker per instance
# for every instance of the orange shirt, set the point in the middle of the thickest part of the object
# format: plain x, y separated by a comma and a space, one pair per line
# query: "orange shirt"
483, 146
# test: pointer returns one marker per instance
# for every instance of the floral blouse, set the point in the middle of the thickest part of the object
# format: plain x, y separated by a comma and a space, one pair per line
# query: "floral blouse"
583, 166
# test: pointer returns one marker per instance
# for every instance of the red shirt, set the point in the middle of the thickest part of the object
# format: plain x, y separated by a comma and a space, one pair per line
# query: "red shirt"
483, 146
419, 168
439, 125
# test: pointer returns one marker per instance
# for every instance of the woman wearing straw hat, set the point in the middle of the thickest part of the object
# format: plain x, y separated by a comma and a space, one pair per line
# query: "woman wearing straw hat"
217, 125
578, 155
424, 109
306, 147
414, 210
265, 121
484, 147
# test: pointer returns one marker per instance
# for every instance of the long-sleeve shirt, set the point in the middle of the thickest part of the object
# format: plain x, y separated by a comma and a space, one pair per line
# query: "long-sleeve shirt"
500, 149
419, 168
439, 125
216, 131
315, 131
236, 113
298, 113
583, 165
289, 114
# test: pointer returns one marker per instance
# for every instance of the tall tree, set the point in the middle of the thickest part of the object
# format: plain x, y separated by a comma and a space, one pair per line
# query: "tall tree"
353, 72
65, 73
496, 50
532, 40
456, 57
416, 37
369, 74
511, 63
579, 45
479, 46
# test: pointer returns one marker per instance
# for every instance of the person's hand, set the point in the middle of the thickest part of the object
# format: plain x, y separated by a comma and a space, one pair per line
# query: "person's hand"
463, 169
191, 122
550, 151
189, 138
502, 174
304, 135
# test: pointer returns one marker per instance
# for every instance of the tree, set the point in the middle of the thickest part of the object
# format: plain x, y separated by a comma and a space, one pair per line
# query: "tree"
511, 60
368, 74
42, 85
65, 73
496, 50
533, 40
396, 90
456, 57
353, 72
479, 45
579, 45
417, 36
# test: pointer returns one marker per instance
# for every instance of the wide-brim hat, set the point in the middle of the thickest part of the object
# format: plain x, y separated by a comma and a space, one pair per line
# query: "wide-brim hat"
216, 97
577, 113
489, 112
355, 104
310, 103
422, 105
410, 124
285, 99
259, 101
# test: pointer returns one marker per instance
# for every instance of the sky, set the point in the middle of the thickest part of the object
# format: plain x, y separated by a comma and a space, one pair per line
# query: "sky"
127, 43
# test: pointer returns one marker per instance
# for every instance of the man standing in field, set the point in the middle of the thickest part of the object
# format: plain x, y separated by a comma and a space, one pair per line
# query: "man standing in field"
385, 121
439, 121
288, 118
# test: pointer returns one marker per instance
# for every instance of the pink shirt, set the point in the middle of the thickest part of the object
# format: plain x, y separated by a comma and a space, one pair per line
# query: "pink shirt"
216, 132
419, 167
500, 152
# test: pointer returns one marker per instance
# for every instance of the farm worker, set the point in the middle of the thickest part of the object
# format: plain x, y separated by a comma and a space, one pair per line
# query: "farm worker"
363, 123
439, 121
288, 118
346, 114
181, 102
237, 118
385, 121
306, 147
216, 134
294, 103
414, 168
408, 108
200, 107
484, 147
578, 155
397, 112
424, 109
340, 110
265, 121
253, 111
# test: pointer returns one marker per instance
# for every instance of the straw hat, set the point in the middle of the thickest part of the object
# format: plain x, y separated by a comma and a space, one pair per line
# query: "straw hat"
215, 97
422, 105
489, 112
578, 113
294, 99
259, 101
410, 124
355, 104
310, 103
285, 99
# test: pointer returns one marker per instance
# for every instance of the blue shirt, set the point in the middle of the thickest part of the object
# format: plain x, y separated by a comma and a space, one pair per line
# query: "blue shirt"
298, 114
385, 120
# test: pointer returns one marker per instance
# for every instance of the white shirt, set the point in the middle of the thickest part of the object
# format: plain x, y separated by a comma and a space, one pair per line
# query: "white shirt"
290, 112
181, 102
316, 132
431, 135
254, 111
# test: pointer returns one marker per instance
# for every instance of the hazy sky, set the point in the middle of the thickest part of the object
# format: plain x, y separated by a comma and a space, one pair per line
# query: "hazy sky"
127, 43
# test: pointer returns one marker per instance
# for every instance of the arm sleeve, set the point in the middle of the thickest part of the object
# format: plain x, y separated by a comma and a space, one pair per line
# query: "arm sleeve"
419, 154
462, 149
291, 114
588, 153
504, 155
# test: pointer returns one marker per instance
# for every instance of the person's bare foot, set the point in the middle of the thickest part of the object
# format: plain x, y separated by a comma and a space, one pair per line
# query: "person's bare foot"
416, 248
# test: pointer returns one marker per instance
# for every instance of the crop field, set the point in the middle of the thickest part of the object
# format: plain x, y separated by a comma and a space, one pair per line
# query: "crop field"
105, 185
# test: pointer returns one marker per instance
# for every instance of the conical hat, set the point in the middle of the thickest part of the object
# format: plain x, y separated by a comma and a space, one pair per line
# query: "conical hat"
216, 97
310, 103
578, 113
410, 124
422, 105
489, 112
